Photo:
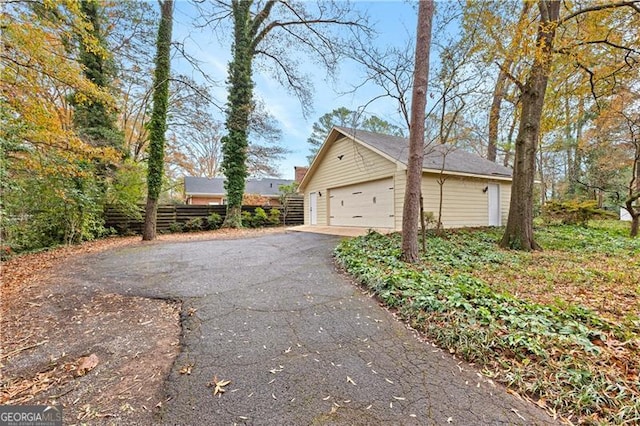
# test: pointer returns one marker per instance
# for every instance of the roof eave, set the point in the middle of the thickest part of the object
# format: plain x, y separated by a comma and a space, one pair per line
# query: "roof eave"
204, 194
464, 174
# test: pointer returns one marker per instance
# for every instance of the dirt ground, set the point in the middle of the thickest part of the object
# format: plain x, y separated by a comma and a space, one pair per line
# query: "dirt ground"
104, 357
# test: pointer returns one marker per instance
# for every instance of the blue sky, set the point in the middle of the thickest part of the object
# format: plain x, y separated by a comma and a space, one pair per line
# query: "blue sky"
395, 21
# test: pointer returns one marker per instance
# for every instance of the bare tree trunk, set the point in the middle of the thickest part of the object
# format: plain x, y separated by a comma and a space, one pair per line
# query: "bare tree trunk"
423, 225
494, 112
519, 230
411, 210
634, 188
543, 181
507, 152
150, 216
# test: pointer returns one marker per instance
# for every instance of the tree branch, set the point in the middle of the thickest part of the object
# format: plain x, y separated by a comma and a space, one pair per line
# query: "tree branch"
634, 4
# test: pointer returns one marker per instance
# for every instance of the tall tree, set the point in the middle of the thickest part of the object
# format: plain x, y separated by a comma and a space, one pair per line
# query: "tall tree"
411, 209
501, 85
158, 123
345, 117
44, 161
342, 116
235, 143
96, 121
617, 147
519, 229
270, 30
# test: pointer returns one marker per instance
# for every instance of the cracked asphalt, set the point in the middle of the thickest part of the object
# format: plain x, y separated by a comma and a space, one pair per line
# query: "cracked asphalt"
300, 343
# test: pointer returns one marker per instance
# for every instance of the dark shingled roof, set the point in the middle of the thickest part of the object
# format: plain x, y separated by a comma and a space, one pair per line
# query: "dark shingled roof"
200, 185
455, 159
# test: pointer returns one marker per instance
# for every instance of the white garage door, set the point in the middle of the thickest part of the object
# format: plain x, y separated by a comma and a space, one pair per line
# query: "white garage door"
368, 204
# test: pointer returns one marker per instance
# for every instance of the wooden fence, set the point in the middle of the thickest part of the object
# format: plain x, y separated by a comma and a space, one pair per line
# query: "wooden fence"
292, 215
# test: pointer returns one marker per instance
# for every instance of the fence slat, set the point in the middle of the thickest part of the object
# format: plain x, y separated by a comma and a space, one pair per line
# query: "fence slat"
290, 214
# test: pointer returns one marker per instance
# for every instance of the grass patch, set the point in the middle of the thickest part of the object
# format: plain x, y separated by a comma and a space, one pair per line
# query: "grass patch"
559, 326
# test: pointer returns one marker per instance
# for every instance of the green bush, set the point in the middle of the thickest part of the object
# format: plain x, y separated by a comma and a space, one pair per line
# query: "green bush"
194, 225
214, 221
176, 227
40, 213
247, 219
274, 217
260, 218
573, 212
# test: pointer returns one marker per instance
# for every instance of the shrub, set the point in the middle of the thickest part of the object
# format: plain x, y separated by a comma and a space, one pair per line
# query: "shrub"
573, 212
176, 227
260, 218
214, 221
194, 225
247, 221
274, 217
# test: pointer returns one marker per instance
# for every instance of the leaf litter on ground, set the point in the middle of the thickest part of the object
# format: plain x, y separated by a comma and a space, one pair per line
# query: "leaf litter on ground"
559, 326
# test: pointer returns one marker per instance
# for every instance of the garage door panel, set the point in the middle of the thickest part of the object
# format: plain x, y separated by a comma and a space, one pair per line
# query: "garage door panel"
368, 204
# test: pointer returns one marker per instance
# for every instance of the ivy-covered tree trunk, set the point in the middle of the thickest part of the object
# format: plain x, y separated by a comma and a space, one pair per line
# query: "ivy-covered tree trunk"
240, 104
519, 230
95, 120
158, 122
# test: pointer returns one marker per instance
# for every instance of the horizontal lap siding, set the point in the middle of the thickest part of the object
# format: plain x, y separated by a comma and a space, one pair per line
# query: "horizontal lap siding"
505, 200
400, 188
464, 202
358, 164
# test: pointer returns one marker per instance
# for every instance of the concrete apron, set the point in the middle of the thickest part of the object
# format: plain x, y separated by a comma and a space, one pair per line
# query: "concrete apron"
343, 231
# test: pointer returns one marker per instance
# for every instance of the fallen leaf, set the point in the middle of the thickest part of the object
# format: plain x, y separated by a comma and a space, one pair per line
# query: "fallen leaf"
218, 385
86, 364
186, 369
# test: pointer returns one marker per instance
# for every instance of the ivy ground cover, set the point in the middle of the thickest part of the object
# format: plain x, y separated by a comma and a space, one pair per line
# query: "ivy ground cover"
560, 327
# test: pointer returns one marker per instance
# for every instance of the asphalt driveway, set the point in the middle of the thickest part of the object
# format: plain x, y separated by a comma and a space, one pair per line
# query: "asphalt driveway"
299, 343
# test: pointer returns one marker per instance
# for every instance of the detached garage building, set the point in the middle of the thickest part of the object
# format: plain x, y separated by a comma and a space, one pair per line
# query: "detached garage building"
358, 179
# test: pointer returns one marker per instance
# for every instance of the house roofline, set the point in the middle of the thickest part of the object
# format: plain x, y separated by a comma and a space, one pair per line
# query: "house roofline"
204, 194
473, 175
332, 138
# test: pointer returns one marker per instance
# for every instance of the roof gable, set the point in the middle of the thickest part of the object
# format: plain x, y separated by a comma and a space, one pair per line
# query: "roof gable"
455, 159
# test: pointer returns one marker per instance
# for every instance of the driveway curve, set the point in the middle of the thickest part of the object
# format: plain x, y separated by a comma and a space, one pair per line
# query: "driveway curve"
299, 343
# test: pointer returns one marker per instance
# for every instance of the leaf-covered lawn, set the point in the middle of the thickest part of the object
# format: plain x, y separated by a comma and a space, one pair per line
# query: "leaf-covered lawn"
560, 326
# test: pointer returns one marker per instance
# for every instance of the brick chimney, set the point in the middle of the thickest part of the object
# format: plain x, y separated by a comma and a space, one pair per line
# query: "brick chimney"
300, 172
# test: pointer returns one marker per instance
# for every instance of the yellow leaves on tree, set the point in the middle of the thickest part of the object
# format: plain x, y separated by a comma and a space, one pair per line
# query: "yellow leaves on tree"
38, 76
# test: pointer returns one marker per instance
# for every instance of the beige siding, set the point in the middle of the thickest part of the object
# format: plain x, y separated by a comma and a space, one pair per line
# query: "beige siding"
464, 203
357, 164
505, 200
400, 186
